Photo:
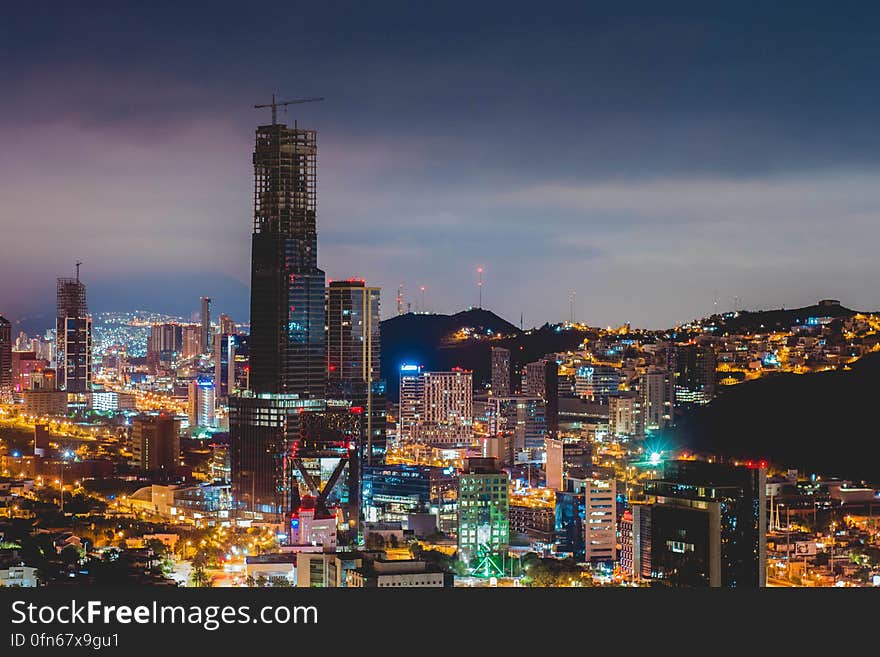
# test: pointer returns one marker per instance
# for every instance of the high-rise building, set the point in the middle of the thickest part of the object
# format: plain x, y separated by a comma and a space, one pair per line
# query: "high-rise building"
694, 374
705, 524
287, 339
191, 341
205, 341
412, 392
156, 443
597, 383
202, 403
625, 416
541, 379
165, 339
5, 357
353, 357
500, 371
657, 394
447, 408
483, 517
225, 325
73, 336
600, 501
516, 423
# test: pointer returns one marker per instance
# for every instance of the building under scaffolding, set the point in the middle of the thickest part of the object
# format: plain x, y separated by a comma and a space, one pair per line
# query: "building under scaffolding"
73, 336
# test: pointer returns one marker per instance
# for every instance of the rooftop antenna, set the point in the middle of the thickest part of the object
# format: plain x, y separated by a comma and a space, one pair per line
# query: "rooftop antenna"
275, 104
77, 270
480, 286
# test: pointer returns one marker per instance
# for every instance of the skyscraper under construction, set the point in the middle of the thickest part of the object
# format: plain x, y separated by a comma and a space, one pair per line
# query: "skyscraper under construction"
73, 335
284, 441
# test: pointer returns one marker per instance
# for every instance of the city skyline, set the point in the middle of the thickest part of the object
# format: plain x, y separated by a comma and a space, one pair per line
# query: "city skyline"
669, 163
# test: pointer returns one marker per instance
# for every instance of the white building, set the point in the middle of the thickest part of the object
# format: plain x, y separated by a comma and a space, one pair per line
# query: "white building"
397, 574
202, 404
23, 576
601, 520
658, 398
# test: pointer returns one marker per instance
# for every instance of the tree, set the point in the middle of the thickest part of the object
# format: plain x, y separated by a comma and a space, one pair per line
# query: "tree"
198, 576
278, 581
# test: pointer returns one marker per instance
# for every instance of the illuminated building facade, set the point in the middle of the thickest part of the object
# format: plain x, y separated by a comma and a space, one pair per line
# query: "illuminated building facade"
597, 383
694, 374
600, 499
657, 397
483, 516
392, 493
202, 402
410, 410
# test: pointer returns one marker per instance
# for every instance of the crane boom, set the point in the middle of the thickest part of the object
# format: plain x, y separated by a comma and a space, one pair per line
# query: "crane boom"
284, 103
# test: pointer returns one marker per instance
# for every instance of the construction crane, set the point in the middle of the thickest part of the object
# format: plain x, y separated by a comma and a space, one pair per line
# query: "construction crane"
284, 103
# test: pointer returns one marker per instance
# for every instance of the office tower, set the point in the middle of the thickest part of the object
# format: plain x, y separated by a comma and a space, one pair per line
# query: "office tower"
694, 374
156, 443
447, 408
657, 394
410, 410
704, 524
515, 424
225, 325
287, 341
535, 378
224, 365
625, 416
202, 403
398, 492
5, 357
567, 458
191, 341
500, 371
165, 340
597, 383
205, 342
541, 379
627, 544
73, 336
353, 357
483, 517
600, 500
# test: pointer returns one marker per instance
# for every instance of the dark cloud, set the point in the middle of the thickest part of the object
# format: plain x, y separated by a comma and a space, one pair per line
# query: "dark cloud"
650, 156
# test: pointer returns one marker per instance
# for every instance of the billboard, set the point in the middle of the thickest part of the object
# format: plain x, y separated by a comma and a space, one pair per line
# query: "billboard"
805, 548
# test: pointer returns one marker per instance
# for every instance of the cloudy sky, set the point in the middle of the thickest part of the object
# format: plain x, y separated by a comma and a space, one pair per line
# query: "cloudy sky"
651, 158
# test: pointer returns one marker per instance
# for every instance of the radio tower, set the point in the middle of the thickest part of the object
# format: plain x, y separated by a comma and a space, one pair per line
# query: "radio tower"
400, 299
480, 286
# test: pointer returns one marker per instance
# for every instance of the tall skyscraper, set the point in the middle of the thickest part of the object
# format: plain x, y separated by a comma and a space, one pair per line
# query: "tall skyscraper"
500, 371
5, 356
74, 336
206, 325
447, 408
287, 338
271, 460
705, 524
353, 358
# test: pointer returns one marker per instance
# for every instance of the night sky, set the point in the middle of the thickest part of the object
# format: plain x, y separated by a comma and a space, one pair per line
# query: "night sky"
650, 156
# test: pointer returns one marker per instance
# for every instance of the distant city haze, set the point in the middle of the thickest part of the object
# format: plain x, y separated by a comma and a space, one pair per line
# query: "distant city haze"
659, 161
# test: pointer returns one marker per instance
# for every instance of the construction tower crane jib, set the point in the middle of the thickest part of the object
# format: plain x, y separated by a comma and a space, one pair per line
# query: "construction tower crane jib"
275, 104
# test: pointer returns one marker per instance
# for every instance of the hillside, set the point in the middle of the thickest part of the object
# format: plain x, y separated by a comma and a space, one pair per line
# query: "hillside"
819, 423
435, 341
758, 321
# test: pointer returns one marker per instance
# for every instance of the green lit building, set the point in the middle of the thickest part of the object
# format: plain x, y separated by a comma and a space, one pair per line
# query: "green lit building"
483, 521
